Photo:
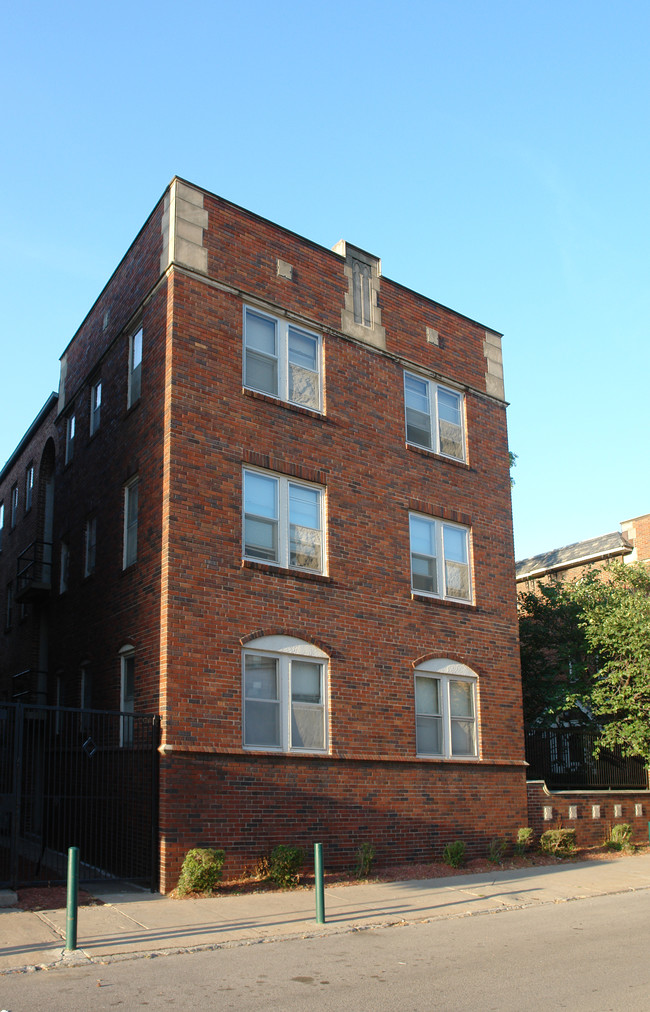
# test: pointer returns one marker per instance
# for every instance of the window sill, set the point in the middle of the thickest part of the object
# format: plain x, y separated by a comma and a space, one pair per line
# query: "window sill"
448, 758
299, 753
257, 395
443, 601
424, 452
281, 571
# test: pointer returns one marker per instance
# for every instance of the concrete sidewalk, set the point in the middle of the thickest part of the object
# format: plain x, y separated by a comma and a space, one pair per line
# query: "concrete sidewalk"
133, 924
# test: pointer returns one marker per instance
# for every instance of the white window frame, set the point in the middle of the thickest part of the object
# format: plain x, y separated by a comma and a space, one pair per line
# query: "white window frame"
284, 650
85, 686
446, 673
130, 539
432, 414
14, 505
90, 545
284, 487
64, 566
95, 406
2, 523
29, 487
9, 606
443, 565
127, 696
283, 329
70, 432
135, 366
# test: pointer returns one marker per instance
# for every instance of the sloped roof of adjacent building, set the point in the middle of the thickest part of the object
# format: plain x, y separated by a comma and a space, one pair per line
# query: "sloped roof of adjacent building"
580, 553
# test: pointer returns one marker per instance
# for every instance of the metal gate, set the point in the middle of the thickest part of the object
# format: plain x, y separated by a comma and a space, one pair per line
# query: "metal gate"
82, 778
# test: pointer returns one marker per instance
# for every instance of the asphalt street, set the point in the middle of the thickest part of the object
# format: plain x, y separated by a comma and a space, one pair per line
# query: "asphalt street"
586, 954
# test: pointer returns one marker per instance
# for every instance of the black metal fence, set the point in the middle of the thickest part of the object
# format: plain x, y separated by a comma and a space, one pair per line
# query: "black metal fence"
564, 758
83, 778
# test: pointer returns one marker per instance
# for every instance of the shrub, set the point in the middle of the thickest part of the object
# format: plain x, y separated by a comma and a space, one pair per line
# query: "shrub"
263, 867
620, 836
454, 854
284, 865
365, 857
560, 842
497, 850
201, 870
523, 841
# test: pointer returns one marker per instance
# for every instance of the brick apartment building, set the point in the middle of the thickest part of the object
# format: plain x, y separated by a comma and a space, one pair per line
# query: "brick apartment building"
276, 487
630, 544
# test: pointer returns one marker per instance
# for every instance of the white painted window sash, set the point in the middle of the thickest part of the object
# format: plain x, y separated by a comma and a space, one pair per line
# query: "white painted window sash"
288, 367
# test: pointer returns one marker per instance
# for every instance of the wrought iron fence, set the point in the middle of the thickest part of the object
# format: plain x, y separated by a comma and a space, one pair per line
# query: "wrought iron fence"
565, 759
84, 778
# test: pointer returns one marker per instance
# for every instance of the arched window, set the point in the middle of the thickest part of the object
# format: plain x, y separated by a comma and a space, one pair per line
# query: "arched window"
445, 709
284, 685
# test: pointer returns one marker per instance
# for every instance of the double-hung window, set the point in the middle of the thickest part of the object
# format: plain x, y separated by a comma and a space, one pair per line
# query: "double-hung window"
135, 367
283, 521
434, 416
445, 709
64, 567
127, 695
439, 558
70, 430
130, 550
285, 693
29, 487
90, 546
282, 360
2, 522
95, 406
14, 506
9, 606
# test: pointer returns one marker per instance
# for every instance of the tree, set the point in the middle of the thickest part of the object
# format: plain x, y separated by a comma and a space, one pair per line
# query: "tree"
614, 607
555, 661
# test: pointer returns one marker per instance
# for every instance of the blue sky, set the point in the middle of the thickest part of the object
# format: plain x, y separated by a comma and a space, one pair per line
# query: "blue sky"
494, 155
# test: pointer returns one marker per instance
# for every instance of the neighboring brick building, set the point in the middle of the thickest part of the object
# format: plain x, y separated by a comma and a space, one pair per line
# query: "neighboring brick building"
26, 517
282, 521
631, 544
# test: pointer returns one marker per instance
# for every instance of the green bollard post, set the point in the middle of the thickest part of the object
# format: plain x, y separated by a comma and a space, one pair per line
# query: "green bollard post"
72, 897
320, 890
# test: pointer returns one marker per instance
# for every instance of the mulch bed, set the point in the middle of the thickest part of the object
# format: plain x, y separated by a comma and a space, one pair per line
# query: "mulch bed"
54, 897
424, 870
44, 897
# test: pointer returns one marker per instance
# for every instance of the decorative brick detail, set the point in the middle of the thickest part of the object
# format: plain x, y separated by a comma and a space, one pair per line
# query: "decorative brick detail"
589, 828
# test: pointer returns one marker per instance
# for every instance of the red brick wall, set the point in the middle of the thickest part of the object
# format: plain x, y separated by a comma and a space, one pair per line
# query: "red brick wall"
408, 811
590, 831
641, 540
101, 613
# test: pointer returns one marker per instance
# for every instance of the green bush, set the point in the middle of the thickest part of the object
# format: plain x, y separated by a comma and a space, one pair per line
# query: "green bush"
497, 850
365, 857
285, 863
454, 854
201, 870
620, 837
560, 842
523, 841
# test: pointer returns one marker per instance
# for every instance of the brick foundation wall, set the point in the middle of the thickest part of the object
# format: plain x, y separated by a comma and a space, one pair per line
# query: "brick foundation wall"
591, 830
408, 811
